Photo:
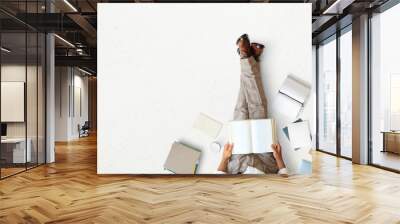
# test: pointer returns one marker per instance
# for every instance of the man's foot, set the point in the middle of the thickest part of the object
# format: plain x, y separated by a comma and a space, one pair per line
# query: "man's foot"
257, 50
244, 48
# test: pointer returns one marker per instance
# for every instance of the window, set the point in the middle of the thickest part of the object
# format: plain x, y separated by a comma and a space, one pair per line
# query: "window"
385, 89
394, 102
327, 97
346, 95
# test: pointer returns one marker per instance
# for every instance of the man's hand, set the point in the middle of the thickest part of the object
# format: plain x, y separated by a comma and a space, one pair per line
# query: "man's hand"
226, 155
227, 151
277, 153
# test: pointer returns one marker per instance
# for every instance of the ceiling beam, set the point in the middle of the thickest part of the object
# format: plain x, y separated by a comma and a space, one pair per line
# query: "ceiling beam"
338, 6
84, 24
83, 61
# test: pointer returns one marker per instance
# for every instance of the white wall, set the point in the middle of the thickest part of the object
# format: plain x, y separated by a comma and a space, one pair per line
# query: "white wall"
18, 73
313, 121
68, 81
159, 65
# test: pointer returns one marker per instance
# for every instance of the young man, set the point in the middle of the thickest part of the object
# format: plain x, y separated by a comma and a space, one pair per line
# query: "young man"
251, 104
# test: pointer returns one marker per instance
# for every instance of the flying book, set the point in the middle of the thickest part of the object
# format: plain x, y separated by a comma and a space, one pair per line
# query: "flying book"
252, 136
182, 159
291, 96
299, 134
207, 125
295, 90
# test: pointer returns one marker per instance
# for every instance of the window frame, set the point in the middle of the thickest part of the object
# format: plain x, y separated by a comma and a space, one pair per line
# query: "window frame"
334, 37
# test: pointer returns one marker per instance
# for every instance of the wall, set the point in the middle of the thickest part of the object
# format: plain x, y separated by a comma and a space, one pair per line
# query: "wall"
313, 121
17, 73
177, 60
70, 83
92, 87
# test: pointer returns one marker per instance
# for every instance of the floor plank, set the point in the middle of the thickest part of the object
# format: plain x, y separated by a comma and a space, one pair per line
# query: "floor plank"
70, 191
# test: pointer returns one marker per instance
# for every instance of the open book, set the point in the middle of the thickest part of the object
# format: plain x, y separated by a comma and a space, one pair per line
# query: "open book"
298, 134
295, 90
182, 159
252, 136
292, 96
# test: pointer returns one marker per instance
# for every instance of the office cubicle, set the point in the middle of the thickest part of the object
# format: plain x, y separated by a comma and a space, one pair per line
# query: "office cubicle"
22, 77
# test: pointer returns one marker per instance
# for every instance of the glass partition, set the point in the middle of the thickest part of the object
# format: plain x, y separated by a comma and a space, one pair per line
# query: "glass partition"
41, 87
13, 109
327, 96
32, 96
23, 89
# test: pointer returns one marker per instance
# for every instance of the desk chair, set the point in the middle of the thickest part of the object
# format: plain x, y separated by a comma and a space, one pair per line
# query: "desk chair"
84, 130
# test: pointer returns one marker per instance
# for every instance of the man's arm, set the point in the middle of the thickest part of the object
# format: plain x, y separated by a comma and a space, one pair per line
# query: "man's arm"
277, 153
223, 165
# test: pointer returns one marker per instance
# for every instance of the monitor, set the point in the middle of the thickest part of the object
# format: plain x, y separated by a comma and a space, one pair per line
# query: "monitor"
3, 129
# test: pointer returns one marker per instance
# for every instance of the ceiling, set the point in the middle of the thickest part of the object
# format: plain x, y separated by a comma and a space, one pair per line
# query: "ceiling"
75, 22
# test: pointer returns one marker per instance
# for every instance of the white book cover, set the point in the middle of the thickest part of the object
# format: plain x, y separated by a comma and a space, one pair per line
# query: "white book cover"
252, 136
295, 89
299, 134
207, 125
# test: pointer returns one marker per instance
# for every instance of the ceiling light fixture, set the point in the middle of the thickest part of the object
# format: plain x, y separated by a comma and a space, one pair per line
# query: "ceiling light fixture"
70, 5
338, 6
84, 71
64, 40
5, 50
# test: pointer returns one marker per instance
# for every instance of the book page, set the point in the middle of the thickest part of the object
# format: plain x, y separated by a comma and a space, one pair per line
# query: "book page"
295, 89
240, 136
263, 135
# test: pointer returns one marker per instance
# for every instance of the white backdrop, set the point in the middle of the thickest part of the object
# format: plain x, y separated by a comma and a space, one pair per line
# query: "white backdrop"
160, 65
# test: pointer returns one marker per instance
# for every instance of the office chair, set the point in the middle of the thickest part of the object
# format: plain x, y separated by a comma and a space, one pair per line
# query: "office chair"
84, 130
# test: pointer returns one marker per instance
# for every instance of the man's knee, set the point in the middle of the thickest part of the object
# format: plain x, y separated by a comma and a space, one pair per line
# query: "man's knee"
257, 112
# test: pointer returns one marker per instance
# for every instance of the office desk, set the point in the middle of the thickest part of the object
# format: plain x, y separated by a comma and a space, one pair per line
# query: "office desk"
13, 150
391, 141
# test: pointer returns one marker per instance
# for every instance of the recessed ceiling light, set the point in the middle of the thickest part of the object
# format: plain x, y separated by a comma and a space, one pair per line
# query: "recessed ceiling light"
338, 6
64, 40
5, 50
70, 5
84, 71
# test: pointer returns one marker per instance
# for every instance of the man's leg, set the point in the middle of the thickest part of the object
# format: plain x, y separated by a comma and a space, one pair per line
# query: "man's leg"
257, 106
238, 163
253, 88
265, 162
251, 104
241, 108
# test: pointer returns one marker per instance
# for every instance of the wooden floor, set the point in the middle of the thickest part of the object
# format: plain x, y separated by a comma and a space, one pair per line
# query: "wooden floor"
387, 159
5, 172
69, 191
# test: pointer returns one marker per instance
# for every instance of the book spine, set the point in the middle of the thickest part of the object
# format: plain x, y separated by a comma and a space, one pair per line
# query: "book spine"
290, 97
